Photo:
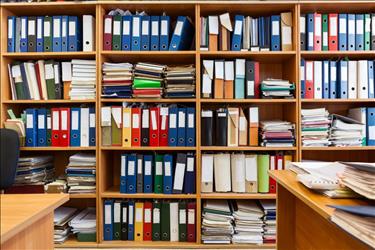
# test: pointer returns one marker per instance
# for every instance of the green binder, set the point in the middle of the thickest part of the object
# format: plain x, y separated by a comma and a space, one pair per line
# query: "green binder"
117, 220
49, 128
325, 32
144, 83
156, 215
165, 221
367, 31
116, 37
50, 79
182, 225
116, 132
19, 82
158, 177
263, 178
47, 39
86, 237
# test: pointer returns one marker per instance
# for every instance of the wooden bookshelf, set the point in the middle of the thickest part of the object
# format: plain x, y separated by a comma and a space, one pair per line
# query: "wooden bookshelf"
276, 64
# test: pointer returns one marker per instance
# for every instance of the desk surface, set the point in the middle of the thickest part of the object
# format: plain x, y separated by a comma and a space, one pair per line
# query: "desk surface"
18, 211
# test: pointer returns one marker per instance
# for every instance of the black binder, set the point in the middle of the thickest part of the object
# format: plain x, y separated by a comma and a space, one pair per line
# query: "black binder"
207, 127
58, 83
250, 80
221, 122
145, 127
124, 220
303, 34
181, 159
140, 173
31, 34
165, 221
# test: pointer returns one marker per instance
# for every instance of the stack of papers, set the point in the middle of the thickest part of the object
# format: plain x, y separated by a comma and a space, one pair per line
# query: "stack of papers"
57, 186
81, 173
269, 219
34, 170
360, 177
83, 80
61, 219
345, 132
217, 222
180, 82
148, 80
277, 88
84, 222
277, 134
248, 220
315, 127
117, 80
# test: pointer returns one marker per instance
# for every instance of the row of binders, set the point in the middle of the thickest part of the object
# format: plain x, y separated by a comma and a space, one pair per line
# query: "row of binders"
142, 125
51, 80
158, 173
158, 220
51, 33
140, 32
241, 173
268, 33
332, 31
240, 79
337, 79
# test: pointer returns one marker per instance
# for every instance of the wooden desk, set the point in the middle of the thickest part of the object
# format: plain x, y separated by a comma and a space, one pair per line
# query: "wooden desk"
27, 220
303, 217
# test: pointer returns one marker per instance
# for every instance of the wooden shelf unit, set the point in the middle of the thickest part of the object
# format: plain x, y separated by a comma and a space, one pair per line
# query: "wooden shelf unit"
283, 64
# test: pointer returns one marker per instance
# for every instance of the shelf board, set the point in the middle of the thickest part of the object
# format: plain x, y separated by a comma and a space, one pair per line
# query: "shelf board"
47, 101
239, 101
47, 55
360, 148
148, 148
152, 100
82, 196
56, 148
245, 148
72, 242
237, 196
337, 100
335, 54
114, 193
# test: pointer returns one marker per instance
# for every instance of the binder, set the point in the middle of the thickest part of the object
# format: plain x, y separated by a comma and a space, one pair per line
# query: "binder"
219, 79
92, 127
116, 32
275, 33
154, 126
373, 31
221, 128
318, 85
147, 221
359, 31
238, 172
131, 178
167, 174
64, 32
351, 32
117, 220
183, 34
342, 86
343, 32
64, 127
58, 84
207, 77
17, 35
189, 178
124, 220
233, 126
174, 221
243, 129
207, 128
172, 132
126, 39
253, 126
213, 33
362, 79
123, 178
179, 173
55, 132
156, 207
286, 21
251, 174
88, 33
228, 79
136, 127
332, 31
138, 222
262, 31
302, 78
191, 235
155, 33
140, 173
317, 32
237, 33
182, 225
371, 82
207, 177
190, 128
352, 80
224, 32
11, 39
263, 163
255, 36
74, 39
42, 127
325, 79
310, 31
165, 221
47, 34
107, 36
148, 175
367, 35
39, 34
325, 32
108, 221
302, 30
126, 127
145, 127
164, 32
131, 220
85, 116
272, 182
145, 34
332, 79
31, 34
106, 124
23, 40
239, 82
158, 176
252, 80
164, 127
49, 128
181, 130
222, 172
309, 81
370, 126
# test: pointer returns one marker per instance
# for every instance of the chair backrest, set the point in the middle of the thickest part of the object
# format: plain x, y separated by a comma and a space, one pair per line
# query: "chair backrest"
10, 150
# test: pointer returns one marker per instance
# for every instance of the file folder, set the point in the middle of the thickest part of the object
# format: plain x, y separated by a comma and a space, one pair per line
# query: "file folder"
362, 79
154, 126
145, 33
155, 33
263, 164
117, 220
318, 85
123, 178
302, 77
179, 173
88, 33
140, 173
233, 127
131, 220
182, 222
351, 32
207, 77
191, 235
252, 80
238, 173
145, 128
213, 33
65, 127
333, 31
108, 220
275, 33
147, 221
367, 35
23, 40
92, 127
156, 207
124, 220
164, 32
207, 128
136, 127
371, 76
172, 132
164, 127
75, 37
126, 127
116, 122
325, 74
116, 32
359, 31
251, 174
286, 21
174, 221
222, 174
228, 79
239, 82
148, 174
342, 87
237, 33
190, 129
219, 79
138, 222
39, 34
332, 79
325, 32
131, 168
31, 34
107, 36
136, 33
352, 80
221, 127
165, 221
181, 130
106, 124
42, 127
243, 129
47, 34
309, 81
167, 174
183, 34
302, 30
343, 32
271, 181
158, 176
310, 31
253, 126
85, 126
189, 179
207, 176
11, 45
370, 126
126, 39
317, 32
55, 132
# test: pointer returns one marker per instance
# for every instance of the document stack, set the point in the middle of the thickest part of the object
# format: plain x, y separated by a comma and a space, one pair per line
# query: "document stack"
117, 80
34, 170
84, 225
359, 176
277, 133
179, 82
83, 86
62, 217
248, 220
81, 173
148, 80
315, 127
269, 209
277, 88
345, 132
217, 223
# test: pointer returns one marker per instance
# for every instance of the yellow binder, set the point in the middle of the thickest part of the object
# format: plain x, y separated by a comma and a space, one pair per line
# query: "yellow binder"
138, 224
126, 127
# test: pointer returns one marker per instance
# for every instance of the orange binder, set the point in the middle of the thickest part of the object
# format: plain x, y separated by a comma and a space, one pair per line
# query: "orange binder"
136, 127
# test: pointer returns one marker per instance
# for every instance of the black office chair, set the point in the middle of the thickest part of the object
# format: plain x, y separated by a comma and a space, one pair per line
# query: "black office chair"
10, 151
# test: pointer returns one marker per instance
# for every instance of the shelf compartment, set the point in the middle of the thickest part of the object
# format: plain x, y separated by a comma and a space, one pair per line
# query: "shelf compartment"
337, 101
57, 148
44, 102
362, 148
113, 192
149, 100
179, 245
72, 242
245, 148
49, 55
148, 148
237, 196
248, 101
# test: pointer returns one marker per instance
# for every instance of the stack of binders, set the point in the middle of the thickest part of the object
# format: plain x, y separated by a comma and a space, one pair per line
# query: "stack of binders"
117, 80
148, 80
84, 225
277, 88
158, 173
179, 82
81, 173
277, 133
315, 127
34, 170
83, 85
345, 132
159, 220
269, 209
61, 219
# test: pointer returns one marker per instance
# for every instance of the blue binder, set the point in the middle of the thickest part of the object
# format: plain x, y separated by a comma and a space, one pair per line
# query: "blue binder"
189, 178
56, 38
342, 86
332, 79
92, 127
126, 39
145, 34
239, 80
310, 31
168, 174
183, 34
371, 86
136, 33
108, 219
31, 127
11, 45
190, 128
147, 176
131, 213
131, 175
23, 40
155, 31
261, 31
39, 34
172, 131
370, 124
359, 31
75, 127
42, 127
181, 129
325, 72
123, 171
64, 33
237, 33
351, 32
74, 40
343, 31
302, 73
164, 32
275, 33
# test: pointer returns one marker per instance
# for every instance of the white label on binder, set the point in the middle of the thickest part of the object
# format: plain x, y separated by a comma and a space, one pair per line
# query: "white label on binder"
286, 35
311, 37
63, 28
178, 29
123, 165
302, 24
72, 28
342, 25
64, 120
124, 213
147, 215
333, 26
359, 30
116, 28
48, 122
148, 168
136, 26
242, 123
92, 121
250, 88
172, 121
16, 71
181, 119
368, 25
145, 28
239, 176
156, 213
206, 113
153, 120
325, 38
371, 132
164, 28
344, 73
190, 164
55, 117
126, 27
333, 73
167, 169
31, 28
116, 212
145, 119
126, 119
56, 28
163, 111
351, 27
222, 114
10, 28
309, 71
41, 122
279, 164
108, 214
49, 71
213, 25
47, 28
182, 219
107, 26
207, 168
238, 27
179, 176
23, 28
190, 120
131, 166
191, 216
163, 122
138, 214
275, 28
106, 116
317, 25
131, 214
155, 28
302, 72
139, 167
158, 168
135, 120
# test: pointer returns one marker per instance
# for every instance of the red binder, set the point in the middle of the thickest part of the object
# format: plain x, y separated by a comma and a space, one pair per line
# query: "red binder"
163, 136
64, 127
154, 126
279, 162
191, 222
317, 32
147, 221
136, 127
107, 38
37, 73
272, 182
256, 80
309, 80
333, 32
55, 125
